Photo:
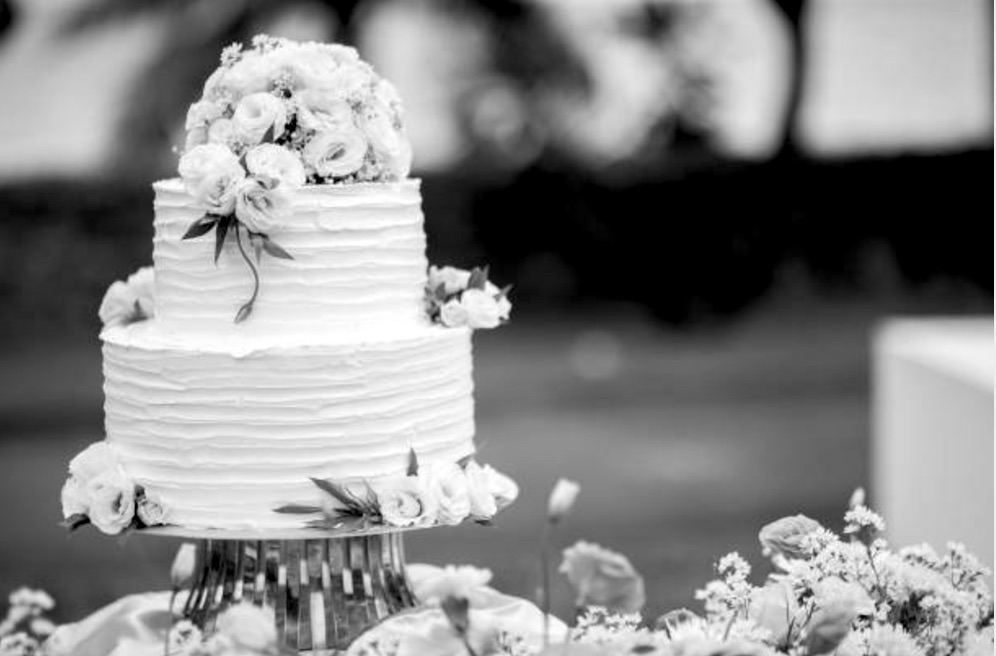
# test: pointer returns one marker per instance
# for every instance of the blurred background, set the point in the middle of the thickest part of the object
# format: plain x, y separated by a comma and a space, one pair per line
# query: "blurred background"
707, 208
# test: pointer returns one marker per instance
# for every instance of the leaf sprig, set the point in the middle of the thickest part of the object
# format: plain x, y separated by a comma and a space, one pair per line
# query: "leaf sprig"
260, 243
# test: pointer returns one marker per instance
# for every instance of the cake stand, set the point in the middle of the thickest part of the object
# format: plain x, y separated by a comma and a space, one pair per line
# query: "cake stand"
324, 587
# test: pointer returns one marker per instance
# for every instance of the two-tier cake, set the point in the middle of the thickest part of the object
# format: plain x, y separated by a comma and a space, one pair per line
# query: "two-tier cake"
290, 361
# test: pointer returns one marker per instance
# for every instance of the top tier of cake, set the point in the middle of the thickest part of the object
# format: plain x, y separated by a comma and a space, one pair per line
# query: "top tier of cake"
358, 266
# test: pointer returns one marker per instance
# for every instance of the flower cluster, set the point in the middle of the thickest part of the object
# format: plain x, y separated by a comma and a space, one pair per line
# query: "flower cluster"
131, 300
241, 630
442, 494
455, 297
99, 492
25, 628
275, 117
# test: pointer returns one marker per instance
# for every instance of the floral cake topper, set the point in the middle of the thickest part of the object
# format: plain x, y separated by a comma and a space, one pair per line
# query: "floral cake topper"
273, 118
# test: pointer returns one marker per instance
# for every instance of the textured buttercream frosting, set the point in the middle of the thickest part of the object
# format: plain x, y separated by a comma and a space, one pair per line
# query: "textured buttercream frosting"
359, 265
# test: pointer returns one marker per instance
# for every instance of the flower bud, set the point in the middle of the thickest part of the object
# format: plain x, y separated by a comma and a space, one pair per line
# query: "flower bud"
183, 565
565, 492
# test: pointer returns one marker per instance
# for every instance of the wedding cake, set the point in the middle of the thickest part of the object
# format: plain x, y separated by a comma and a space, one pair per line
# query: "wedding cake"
290, 361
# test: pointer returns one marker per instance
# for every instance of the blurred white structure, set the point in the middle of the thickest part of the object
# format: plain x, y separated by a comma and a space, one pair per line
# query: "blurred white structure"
933, 432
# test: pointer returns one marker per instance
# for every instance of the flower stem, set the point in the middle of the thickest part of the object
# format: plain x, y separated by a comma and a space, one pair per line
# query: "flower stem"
545, 574
246, 308
169, 627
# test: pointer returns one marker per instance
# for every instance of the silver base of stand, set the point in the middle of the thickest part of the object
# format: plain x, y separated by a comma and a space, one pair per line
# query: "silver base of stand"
323, 592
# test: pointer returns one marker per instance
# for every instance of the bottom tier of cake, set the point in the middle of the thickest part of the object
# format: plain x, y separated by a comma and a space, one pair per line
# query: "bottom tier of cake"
223, 433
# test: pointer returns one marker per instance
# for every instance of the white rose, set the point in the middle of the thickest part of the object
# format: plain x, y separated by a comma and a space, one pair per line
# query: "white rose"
276, 162
131, 300
482, 502
322, 110
482, 309
453, 314
387, 140
432, 584
143, 285
502, 488
257, 113
196, 137
406, 501
211, 173
249, 628
74, 500
96, 459
222, 132
562, 499
202, 113
251, 74
603, 578
112, 502
449, 484
454, 280
260, 207
151, 510
337, 152
352, 81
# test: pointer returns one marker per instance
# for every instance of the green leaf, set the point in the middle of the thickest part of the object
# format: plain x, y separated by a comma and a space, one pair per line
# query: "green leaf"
273, 248
484, 522
464, 461
219, 236
73, 522
201, 226
295, 509
338, 493
478, 278
268, 135
503, 293
412, 469
457, 611
243, 312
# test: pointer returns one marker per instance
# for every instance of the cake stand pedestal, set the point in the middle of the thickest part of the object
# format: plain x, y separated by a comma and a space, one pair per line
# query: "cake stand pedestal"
324, 588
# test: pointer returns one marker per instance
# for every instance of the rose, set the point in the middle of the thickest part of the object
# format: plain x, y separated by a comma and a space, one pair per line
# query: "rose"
74, 499
211, 173
405, 501
202, 113
260, 205
142, 285
482, 309
337, 152
835, 589
130, 300
482, 502
453, 314
774, 607
562, 499
251, 74
502, 488
449, 485
387, 140
452, 279
111, 502
93, 461
784, 537
249, 628
432, 584
603, 578
830, 625
257, 113
273, 161
323, 109
222, 132
150, 510
353, 82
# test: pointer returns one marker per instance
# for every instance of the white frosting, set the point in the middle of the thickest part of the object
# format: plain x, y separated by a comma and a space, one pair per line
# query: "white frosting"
359, 266
224, 430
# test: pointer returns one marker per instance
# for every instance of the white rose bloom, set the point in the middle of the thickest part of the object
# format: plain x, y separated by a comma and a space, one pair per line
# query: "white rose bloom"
143, 284
222, 132
118, 305
388, 142
353, 81
453, 314
502, 488
250, 629
112, 502
482, 502
322, 110
260, 207
96, 459
257, 113
454, 280
151, 510
196, 137
202, 113
251, 74
337, 152
482, 309
449, 484
74, 500
276, 162
406, 501
211, 173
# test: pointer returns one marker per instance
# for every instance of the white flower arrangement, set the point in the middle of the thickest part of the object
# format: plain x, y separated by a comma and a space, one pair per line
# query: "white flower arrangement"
131, 300
99, 492
441, 494
456, 297
273, 118
26, 628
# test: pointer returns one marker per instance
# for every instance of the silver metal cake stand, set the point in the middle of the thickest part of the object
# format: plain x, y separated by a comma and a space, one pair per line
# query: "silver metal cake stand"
325, 588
